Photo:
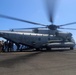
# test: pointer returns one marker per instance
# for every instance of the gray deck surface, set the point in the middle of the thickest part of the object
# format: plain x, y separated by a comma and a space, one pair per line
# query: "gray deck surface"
55, 62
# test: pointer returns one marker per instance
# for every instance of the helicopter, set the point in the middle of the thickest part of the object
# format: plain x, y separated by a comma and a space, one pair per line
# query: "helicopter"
47, 36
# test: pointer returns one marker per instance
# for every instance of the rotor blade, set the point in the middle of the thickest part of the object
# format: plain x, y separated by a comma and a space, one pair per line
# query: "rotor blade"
51, 9
68, 24
13, 18
26, 28
68, 28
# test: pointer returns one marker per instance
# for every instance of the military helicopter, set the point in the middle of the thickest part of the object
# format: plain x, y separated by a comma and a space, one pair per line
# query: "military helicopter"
47, 36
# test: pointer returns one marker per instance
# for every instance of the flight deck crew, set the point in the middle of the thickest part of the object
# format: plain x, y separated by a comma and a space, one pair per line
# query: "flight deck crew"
1, 45
10, 46
5, 46
18, 46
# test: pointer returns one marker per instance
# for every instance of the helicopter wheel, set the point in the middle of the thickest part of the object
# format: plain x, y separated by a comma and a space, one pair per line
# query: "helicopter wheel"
48, 48
38, 49
71, 48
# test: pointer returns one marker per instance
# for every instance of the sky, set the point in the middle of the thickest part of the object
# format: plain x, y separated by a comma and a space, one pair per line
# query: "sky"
35, 10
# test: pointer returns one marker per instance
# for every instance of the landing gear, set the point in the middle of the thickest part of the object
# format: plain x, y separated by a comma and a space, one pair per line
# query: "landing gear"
38, 49
71, 48
43, 49
48, 48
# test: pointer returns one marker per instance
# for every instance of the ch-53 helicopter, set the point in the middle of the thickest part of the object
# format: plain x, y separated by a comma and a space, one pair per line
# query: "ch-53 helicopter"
47, 36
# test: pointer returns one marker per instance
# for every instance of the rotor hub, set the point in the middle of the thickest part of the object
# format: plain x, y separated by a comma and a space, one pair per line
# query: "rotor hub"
53, 27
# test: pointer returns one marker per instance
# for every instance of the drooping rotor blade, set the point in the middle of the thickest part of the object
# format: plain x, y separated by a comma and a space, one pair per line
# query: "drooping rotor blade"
51, 9
26, 28
68, 24
68, 28
13, 18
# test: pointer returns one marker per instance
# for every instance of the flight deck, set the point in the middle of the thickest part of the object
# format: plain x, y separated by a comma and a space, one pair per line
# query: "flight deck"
55, 62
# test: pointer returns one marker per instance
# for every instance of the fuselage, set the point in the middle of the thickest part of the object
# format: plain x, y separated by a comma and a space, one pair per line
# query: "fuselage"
30, 39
